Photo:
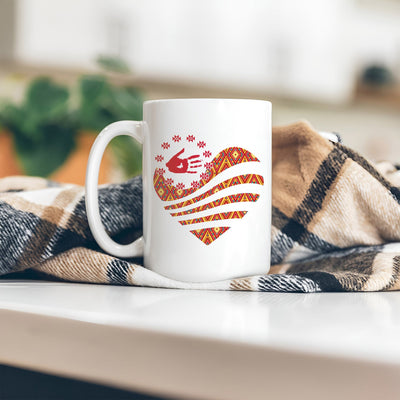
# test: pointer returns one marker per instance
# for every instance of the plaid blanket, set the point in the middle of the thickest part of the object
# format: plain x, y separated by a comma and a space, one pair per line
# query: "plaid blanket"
335, 224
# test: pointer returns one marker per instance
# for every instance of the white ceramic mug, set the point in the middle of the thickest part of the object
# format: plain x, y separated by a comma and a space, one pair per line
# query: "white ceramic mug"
206, 188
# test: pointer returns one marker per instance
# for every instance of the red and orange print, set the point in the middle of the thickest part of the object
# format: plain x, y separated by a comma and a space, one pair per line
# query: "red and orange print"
208, 235
184, 165
226, 200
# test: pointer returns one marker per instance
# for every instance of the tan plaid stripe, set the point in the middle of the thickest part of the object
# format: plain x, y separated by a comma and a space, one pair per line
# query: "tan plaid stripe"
15, 183
240, 284
295, 161
78, 265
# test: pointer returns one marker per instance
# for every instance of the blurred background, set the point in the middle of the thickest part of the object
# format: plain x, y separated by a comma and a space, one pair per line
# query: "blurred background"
69, 67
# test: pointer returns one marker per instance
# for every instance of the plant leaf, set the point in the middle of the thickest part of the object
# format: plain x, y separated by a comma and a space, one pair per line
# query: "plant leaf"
46, 100
113, 64
91, 88
126, 103
128, 154
93, 112
12, 116
41, 158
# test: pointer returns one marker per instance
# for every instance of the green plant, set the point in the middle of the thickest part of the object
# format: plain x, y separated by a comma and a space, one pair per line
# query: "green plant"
113, 64
45, 125
101, 104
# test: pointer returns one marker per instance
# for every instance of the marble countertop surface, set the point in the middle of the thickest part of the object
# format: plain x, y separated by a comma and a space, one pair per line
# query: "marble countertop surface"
204, 344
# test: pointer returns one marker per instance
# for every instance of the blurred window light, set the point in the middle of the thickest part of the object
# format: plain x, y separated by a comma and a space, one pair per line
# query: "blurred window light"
308, 49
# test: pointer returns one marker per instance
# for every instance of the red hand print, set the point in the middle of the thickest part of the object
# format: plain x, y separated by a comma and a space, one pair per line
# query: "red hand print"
184, 165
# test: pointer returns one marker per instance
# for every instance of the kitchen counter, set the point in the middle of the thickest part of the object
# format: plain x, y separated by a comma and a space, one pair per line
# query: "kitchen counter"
203, 344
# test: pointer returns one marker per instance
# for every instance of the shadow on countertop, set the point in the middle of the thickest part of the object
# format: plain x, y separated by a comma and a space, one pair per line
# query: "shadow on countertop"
20, 384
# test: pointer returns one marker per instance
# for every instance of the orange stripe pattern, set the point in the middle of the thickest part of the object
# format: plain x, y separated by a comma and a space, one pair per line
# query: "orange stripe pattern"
215, 217
233, 198
237, 180
207, 236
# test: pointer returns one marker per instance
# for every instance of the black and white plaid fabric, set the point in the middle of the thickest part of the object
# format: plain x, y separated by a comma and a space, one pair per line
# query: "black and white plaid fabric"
335, 224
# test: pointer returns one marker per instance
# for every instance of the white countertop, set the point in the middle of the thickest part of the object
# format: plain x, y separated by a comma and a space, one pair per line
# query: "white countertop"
203, 344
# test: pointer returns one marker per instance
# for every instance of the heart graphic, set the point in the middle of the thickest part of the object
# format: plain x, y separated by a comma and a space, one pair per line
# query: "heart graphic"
189, 163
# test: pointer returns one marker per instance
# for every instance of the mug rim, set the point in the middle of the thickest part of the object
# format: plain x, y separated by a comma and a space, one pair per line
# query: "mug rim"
203, 99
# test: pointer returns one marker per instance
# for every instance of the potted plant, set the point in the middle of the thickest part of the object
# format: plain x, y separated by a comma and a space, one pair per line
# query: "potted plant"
51, 132
42, 129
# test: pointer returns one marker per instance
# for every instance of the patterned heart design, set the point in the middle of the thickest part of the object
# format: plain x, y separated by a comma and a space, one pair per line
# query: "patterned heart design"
185, 176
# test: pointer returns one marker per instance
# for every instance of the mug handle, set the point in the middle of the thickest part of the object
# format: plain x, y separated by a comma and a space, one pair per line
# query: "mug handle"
127, 128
